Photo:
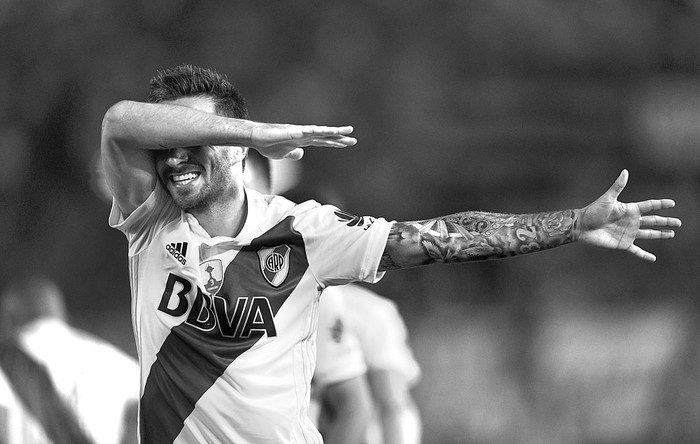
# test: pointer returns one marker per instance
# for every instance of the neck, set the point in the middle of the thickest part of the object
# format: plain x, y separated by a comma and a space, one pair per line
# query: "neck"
224, 218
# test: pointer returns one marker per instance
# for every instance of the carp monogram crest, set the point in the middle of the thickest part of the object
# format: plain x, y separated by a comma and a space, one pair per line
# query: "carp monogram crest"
274, 263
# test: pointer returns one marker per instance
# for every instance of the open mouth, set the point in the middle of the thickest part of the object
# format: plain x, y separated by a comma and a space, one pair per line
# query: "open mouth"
184, 178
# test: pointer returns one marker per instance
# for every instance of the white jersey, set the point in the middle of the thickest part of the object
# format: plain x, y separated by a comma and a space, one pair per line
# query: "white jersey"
383, 337
226, 327
339, 355
381, 330
17, 424
96, 379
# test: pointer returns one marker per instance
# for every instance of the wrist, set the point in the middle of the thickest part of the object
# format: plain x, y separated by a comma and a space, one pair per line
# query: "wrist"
577, 227
250, 132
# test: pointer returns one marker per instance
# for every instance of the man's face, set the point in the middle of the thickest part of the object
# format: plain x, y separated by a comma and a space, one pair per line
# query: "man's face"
195, 177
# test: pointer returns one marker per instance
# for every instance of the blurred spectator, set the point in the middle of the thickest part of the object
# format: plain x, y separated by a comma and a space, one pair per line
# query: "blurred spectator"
96, 380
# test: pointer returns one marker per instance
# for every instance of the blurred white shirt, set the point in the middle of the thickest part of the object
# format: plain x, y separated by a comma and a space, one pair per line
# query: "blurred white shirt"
17, 425
96, 378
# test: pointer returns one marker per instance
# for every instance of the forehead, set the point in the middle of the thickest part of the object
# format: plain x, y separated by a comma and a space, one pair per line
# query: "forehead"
200, 103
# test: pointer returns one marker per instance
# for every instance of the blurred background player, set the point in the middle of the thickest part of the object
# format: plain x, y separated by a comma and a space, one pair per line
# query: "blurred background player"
31, 411
96, 380
341, 402
354, 324
392, 370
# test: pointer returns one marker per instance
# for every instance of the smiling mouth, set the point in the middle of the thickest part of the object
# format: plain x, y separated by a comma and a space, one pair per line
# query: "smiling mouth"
184, 178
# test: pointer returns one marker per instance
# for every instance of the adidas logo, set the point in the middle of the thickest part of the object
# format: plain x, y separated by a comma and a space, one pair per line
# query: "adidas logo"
178, 250
353, 221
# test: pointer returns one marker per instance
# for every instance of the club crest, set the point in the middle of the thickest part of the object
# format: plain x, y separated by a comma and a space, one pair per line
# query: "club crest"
274, 264
212, 272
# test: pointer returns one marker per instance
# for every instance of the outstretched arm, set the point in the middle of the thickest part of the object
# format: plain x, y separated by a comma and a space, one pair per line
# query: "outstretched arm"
132, 130
475, 235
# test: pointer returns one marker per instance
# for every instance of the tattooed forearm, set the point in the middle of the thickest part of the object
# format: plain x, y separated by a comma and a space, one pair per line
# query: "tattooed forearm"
476, 235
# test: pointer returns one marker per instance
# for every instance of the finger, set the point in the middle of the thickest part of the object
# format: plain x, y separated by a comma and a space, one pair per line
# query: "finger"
340, 140
345, 130
333, 142
645, 255
316, 130
619, 184
295, 154
659, 221
655, 234
655, 204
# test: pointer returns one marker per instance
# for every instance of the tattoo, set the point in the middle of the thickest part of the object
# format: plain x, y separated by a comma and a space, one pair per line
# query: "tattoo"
475, 235
387, 263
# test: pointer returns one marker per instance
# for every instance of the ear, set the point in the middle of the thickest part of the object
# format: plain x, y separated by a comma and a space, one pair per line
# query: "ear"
239, 152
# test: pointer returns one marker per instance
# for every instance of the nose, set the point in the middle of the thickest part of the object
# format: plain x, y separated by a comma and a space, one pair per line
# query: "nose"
176, 156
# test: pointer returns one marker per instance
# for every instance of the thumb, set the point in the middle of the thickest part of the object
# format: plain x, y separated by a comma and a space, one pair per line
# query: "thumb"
619, 185
295, 154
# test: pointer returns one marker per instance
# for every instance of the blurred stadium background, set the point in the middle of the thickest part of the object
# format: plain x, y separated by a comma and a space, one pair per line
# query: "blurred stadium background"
499, 105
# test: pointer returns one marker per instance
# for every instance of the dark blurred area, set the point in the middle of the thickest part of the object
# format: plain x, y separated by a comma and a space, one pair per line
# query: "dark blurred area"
500, 105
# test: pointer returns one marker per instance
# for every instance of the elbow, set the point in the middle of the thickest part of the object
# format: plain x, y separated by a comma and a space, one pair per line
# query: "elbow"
114, 118
117, 111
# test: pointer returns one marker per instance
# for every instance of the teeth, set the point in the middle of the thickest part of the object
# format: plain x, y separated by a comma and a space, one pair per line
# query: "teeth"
184, 178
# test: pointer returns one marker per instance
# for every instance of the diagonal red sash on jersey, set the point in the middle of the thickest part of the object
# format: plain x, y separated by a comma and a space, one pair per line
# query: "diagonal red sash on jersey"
190, 360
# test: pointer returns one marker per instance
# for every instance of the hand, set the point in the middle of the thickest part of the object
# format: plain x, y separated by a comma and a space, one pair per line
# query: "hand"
609, 223
283, 141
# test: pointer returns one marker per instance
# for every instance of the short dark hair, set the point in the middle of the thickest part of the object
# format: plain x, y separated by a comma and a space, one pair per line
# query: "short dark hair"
192, 81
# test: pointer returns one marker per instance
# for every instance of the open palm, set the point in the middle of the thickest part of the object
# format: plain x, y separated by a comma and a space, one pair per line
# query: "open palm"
285, 141
609, 223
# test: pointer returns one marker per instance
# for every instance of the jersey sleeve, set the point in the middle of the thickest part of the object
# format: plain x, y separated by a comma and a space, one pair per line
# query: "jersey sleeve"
342, 247
148, 218
338, 356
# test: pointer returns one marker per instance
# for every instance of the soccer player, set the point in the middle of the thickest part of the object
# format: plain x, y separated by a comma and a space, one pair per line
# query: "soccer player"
225, 281
392, 370
341, 402
31, 409
98, 383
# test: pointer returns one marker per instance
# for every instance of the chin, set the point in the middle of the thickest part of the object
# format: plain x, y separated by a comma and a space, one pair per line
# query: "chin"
186, 200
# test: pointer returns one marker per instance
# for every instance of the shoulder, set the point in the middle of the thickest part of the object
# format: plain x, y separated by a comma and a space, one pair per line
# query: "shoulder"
307, 216
156, 212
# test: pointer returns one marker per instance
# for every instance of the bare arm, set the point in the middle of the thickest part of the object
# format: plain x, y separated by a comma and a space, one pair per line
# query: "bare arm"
400, 418
346, 412
129, 431
132, 130
475, 235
